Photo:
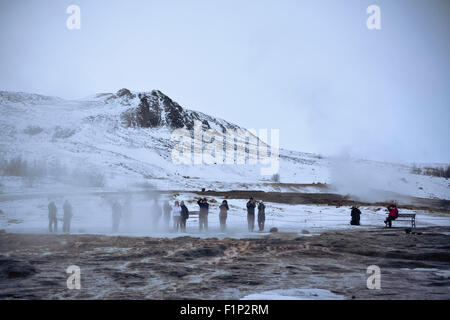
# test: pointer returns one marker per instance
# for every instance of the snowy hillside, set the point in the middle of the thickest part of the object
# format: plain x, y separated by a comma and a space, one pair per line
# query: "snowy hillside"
123, 141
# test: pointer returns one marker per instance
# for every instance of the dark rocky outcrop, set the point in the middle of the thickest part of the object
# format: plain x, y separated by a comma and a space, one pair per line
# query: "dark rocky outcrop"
155, 109
125, 93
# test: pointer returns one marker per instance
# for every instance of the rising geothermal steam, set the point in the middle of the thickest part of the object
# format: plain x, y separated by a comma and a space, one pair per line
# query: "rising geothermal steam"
367, 181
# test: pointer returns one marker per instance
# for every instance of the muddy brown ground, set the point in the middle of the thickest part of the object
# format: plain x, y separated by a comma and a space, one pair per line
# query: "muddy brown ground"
114, 267
332, 199
322, 198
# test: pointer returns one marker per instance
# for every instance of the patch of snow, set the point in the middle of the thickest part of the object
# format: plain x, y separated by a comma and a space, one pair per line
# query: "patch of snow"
294, 294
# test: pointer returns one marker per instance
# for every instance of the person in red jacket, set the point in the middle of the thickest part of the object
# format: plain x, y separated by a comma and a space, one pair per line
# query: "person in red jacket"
393, 214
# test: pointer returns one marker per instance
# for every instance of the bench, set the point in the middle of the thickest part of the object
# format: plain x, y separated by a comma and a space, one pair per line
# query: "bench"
407, 217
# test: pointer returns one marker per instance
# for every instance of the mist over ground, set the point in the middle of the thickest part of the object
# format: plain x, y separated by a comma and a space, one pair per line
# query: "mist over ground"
367, 181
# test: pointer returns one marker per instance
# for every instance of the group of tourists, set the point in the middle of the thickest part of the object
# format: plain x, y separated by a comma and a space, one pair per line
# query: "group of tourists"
251, 205
52, 217
179, 214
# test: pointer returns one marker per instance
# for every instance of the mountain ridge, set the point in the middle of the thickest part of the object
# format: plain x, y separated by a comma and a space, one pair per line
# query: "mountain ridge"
148, 109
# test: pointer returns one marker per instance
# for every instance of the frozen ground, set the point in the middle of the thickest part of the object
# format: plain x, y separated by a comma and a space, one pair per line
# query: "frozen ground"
332, 265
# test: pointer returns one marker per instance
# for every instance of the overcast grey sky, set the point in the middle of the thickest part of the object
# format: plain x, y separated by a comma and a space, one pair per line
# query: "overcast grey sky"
310, 68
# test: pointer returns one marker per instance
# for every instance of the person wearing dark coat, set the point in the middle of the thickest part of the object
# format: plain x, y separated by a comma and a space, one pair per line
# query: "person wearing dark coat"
355, 213
67, 208
52, 220
203, 214
261, 215
251, 205
223, 214
184, 216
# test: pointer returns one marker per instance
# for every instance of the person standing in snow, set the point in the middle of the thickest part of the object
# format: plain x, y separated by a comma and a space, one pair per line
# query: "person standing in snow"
261, 215
355, 213
167, 210
183, 216
176, 215
393, 214
52, 220
67, 208
223, 214
203, 214
251, 204
116, 215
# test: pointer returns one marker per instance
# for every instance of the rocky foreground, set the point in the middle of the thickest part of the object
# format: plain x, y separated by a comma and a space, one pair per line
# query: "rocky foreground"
413, 265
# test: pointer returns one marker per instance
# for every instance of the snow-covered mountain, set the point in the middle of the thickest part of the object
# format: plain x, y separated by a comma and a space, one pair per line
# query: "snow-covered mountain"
123, 140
